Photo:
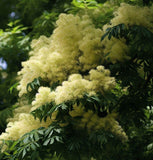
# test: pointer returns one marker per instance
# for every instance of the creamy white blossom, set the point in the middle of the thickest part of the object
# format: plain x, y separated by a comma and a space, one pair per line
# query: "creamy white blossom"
64, 53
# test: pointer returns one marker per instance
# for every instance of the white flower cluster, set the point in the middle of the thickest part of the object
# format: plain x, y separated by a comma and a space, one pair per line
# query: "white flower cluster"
99, 80
43, 96
75, 45
76, 87
22, 122
92, 121
134, 15
116, 49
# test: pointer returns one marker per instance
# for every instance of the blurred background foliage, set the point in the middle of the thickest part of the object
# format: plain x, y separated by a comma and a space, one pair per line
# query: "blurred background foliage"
23, 20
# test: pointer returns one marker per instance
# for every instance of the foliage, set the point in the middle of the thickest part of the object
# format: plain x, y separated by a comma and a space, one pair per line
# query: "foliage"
44, 24
78, 143
14, 45
6, 7
85, 4
30, 144
36, 9
139, 40
33, 7
129, 103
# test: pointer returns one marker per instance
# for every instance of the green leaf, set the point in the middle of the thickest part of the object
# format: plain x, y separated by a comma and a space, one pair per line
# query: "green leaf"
24, 153
34, 84
36, 137
41, 132
14, 86
10, 24
115, 31
33, 147
150, 146
51, 141
46, 142
90, 4
26, 140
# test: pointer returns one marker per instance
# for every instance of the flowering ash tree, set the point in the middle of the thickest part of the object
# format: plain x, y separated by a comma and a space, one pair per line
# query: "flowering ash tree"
86, 92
